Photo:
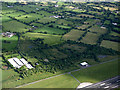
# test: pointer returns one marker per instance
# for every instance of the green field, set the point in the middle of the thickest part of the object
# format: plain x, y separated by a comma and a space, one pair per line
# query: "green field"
7, 11
45, 13
10, 43
48, 38
114, 34
110, 44
36, 24
16, 14
63, 81
83, 27
14, 26
85, 15
92, 74
5, 19
50, 30
29, 17
97, 29
73, 35
90, 38
45, 20
64, 22
97, 73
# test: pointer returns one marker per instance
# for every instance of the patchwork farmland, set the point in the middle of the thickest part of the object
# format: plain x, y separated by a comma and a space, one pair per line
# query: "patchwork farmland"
55, 38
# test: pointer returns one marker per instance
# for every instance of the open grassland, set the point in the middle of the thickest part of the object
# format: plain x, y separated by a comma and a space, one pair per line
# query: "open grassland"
98, 29
98, 72
63, 81
50, 30
8, 75
114, 34
24, 8
9, 43
45, 20
16, 14
29, 17
45, 13
82, 27
90, 38
111, 8
5, 19
110, 44
14, 26
94, 12
36, 24
7, 11
73, 35
103, 58
92, 21
97, 7
64, 22
78, 10
85, 15
48, 38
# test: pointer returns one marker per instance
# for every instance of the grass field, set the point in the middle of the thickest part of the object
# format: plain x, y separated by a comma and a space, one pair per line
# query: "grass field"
90, 38
63, 81
92, 21
73, 35
97, 29
111, 8
45, 13
14, 26
93, 74
83, 27
114, 34
16, 14
7, 11
5, 19
10, 44
110, 44
36, 24
86, 15
45, 20
64, 22
29, 17
97, 73
48, 38
50, 30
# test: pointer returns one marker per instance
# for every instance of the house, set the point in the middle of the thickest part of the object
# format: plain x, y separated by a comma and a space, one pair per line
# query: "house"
84, 64
13, 63
103, 27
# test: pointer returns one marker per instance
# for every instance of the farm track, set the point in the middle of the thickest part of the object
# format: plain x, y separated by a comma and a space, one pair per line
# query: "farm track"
66, 73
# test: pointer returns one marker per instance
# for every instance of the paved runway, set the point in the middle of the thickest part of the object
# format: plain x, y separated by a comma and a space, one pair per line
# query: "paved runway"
107, 84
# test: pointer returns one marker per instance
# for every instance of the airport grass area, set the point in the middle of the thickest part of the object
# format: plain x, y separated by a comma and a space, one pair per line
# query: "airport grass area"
92, 74
98, 73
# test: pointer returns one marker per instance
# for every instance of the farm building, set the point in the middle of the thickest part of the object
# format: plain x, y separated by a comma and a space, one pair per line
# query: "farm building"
84, 64
8, 34
17, 63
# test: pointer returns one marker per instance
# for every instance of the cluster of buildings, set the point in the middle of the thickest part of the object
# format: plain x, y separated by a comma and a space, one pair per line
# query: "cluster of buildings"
17, 63
8, 34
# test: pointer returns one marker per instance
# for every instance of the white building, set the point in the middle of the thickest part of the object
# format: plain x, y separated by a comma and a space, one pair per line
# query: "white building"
14, 63
17, 63
84, 64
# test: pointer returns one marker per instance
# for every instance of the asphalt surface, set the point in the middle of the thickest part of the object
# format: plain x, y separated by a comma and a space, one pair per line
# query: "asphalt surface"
107, 84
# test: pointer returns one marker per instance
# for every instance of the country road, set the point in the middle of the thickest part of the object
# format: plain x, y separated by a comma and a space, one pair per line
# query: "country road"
65, 73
